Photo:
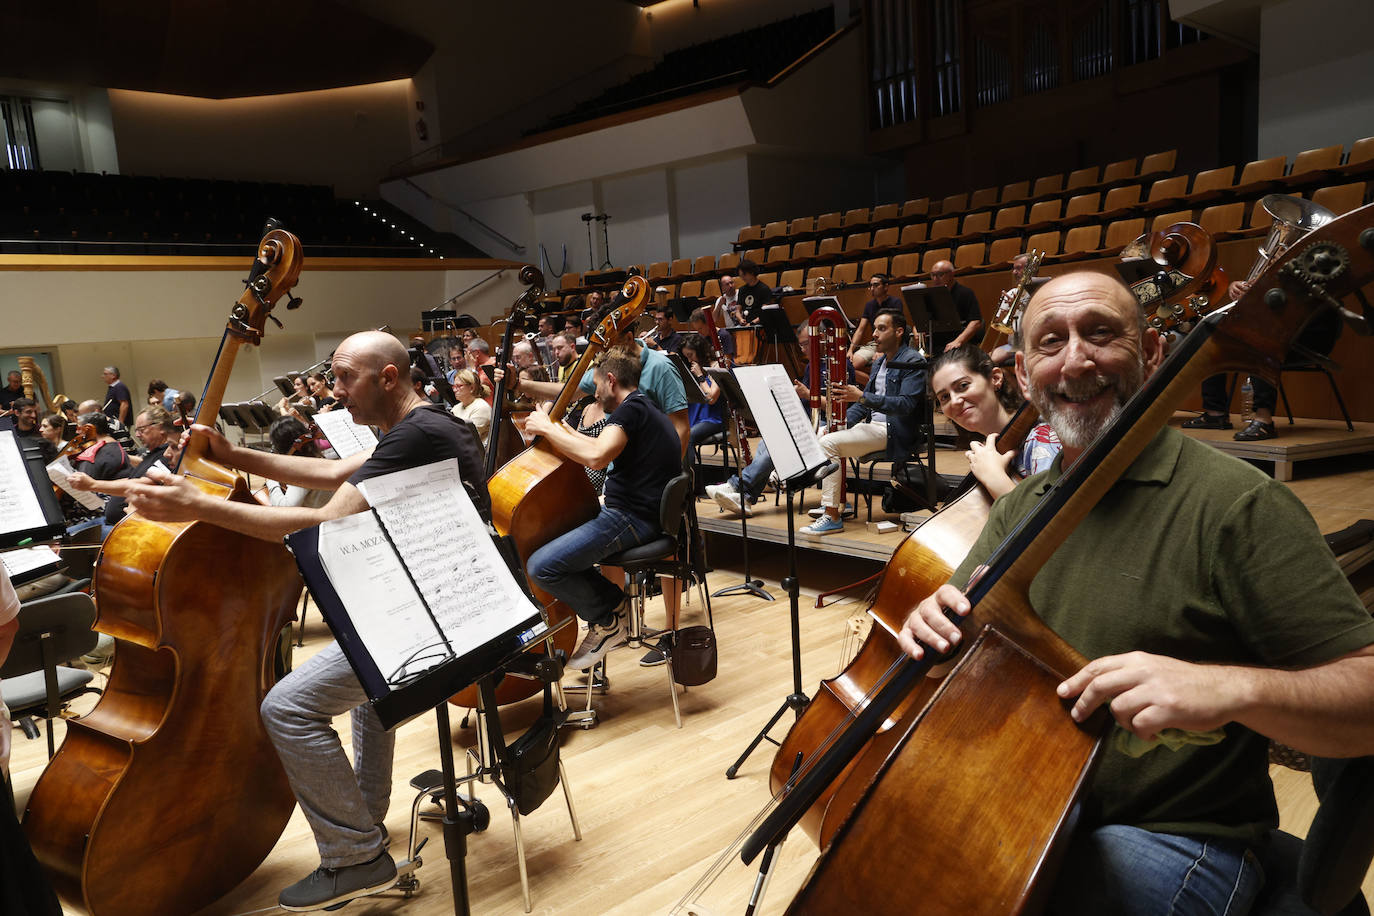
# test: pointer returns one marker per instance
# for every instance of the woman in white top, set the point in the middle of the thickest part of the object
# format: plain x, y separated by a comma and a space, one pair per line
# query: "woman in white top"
468, 388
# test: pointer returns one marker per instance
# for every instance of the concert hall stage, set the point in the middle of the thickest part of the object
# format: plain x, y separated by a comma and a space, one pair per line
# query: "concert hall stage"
1305, 440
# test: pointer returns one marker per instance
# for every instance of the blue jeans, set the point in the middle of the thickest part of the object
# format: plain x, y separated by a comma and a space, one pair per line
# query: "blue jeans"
565, 566
703, 430
1128, 871
755, 473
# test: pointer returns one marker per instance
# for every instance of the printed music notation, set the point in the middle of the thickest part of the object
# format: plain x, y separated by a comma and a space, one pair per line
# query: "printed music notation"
781, 420
346, 437
19, 506
422, 550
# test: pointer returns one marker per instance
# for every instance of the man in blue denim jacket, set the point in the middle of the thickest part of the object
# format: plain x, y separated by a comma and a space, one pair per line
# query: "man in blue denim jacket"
884, 415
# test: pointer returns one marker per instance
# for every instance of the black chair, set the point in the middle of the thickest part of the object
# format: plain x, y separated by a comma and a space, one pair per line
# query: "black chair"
52, 630
667, 555
1323, 873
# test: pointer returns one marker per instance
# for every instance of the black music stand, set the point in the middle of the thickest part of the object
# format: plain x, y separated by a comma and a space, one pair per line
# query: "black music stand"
683, 307
816, 302
777, 329
797, 700
428, 689
36, 480
737, 410
932, 310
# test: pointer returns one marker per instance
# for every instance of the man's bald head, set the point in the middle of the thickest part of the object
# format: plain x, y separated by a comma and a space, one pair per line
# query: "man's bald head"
942, 273
1083, 286
374, 350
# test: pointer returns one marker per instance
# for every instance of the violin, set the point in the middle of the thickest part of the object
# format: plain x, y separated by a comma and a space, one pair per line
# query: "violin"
169, 792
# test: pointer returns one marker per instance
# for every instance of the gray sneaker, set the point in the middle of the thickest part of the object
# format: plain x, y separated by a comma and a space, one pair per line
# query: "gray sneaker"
598, 641
728, 498
329, 888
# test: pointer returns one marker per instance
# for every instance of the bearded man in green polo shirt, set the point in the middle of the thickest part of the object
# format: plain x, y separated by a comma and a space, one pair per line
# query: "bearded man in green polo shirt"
1210, 606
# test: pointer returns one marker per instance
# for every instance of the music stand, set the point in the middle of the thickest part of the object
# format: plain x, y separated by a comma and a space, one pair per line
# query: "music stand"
932, 309
737, 409
32, 492
284, 385
777, 329
683, 307
815, 302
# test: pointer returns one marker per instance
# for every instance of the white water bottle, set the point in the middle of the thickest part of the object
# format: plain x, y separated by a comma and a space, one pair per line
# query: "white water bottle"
1247, 401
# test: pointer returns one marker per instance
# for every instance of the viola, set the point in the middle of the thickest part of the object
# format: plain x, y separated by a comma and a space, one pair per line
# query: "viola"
169, 792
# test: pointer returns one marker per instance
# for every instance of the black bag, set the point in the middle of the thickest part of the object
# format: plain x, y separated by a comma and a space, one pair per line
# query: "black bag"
529, 767
907, 490
694, 656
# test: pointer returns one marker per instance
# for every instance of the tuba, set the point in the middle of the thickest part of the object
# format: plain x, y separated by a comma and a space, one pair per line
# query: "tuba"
1293, 218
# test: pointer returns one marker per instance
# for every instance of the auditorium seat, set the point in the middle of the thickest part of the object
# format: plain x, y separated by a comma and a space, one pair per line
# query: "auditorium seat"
711, 289
1015, 192
1080, 241
954, 203
704, 265
1083, 206
1118, 172
1164, 220
1260, 176
1010, 217
848, 272
657, 270
969, 257
1047, 186
1043, 214
757, 255
1360, 160
1222, 218
803, 252
792, 278
982, 199
775, 230
570, 281
1167, 192
920, 207
778, 254
1046, 243
821, 272
856, 217
690, 289
1213, 184
1081, 178
1121, 233
828, 221
855, 241
1001, 251
886, 214
680, 267
748, 234
769, 279
1309, 165
913, 234
801, 226
1157, 165
873, 266
976, 223
885, 239
931, 256
830, 247
944, 228
727, 261
906, 265
1341, 198
1120, 201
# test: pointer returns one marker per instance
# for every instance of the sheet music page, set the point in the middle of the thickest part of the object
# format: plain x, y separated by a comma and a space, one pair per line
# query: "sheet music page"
59, 471
346, 437
781, 419
450, 553
18, 562
385, 609
19, 506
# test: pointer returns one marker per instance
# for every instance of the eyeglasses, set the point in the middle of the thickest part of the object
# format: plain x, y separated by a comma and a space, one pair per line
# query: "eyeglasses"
139, 429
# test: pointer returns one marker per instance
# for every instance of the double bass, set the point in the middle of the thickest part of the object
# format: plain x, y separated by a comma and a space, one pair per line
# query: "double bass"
984, 836
539, 494
169, 792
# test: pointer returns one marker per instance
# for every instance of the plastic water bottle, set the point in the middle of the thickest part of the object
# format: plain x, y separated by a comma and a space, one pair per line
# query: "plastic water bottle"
1247, 401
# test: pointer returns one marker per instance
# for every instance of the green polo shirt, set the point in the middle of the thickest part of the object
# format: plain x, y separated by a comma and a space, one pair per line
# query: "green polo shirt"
1198, 556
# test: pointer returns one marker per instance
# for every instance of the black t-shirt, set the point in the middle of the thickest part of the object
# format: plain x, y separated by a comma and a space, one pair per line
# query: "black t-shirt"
114, 506
117, 393
110, 462
872, 307
671, 344
8, 396
752, 299
651, 457
425, 435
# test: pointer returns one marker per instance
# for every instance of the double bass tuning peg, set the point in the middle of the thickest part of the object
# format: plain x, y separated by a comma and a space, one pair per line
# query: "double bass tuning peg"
293, 302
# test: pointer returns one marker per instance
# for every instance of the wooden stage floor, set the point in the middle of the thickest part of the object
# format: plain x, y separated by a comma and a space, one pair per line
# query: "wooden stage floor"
654, 804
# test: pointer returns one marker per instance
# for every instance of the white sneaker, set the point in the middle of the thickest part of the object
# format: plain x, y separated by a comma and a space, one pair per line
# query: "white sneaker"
728, 499
598, 641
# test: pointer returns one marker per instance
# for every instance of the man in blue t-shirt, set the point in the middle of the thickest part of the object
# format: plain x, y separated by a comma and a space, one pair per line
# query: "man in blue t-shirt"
641, 450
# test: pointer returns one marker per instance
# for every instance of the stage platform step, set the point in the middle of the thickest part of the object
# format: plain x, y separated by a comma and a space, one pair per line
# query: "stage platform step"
1305, 440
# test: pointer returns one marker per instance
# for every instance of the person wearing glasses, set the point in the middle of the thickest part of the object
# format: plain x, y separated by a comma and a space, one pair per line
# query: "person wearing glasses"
965, 303
862, 346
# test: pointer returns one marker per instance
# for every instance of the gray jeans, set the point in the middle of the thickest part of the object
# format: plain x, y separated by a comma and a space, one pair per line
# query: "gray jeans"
343, 803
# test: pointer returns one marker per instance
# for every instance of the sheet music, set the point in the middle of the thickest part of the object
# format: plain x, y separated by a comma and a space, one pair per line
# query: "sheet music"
59, 471
346, 437
18, 562
18, 503
450, 554
781, 420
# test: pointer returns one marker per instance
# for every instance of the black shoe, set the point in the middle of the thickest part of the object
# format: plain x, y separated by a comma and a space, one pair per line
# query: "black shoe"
1208, 421
1257, 430
329, 888
658, 654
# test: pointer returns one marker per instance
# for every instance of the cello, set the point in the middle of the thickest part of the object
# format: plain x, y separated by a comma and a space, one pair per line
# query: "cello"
169, 792
539, 495
957, 777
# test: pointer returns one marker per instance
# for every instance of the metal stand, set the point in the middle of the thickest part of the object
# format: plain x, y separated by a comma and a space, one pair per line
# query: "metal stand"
734, 402
605, 240
797, 700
